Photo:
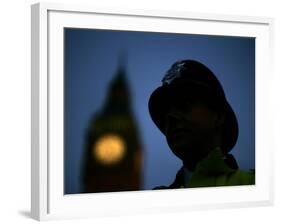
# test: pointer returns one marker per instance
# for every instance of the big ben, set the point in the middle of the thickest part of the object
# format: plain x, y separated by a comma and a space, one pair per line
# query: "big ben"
113, 152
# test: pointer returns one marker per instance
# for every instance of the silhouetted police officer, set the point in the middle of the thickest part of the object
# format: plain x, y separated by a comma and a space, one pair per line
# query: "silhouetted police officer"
191, 110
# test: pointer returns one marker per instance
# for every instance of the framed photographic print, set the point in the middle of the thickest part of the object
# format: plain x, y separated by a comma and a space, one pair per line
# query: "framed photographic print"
138, 111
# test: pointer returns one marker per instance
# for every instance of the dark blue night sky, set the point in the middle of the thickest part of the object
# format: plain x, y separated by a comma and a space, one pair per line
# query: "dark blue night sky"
91, 61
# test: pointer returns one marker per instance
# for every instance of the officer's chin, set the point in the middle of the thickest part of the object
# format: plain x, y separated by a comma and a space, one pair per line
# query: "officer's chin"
185, 151
181, 149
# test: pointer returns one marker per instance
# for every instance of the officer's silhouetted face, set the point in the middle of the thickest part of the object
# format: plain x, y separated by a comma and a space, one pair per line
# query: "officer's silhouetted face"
192, 131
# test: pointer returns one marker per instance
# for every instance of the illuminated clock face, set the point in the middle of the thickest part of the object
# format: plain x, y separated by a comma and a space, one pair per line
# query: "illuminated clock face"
109, 149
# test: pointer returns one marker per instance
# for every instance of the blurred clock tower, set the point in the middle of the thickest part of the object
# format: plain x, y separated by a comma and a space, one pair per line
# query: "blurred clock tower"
113, 154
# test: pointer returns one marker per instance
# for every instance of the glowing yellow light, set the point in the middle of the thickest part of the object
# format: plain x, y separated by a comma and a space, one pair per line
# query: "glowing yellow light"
109, 149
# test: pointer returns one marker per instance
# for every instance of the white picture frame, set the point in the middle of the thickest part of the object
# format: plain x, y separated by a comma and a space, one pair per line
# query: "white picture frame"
48, 201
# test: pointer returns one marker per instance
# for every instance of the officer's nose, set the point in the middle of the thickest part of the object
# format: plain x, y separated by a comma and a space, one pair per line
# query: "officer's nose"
173, 122
172, 118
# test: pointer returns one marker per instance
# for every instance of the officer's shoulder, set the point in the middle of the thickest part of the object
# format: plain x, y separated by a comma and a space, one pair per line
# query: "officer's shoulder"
250, 171
246, 176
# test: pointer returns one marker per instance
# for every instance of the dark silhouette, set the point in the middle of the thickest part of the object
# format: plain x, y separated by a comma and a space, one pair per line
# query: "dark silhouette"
113, 149
191, 110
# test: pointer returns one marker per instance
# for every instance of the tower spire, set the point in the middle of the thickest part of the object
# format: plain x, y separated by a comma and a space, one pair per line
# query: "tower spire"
118, 99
